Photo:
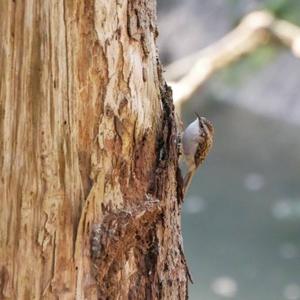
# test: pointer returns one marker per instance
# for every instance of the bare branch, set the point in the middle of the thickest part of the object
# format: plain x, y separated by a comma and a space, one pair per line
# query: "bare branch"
256, 29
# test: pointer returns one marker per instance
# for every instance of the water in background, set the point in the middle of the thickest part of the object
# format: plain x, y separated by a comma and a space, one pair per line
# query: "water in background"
241, 220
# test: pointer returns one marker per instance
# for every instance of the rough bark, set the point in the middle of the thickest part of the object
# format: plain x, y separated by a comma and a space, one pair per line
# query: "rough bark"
90, 185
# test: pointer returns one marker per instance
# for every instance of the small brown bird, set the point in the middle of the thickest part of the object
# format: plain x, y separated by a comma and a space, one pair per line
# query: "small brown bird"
197, 141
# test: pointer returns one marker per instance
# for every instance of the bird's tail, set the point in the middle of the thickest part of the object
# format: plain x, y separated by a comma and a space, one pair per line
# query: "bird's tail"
187, 180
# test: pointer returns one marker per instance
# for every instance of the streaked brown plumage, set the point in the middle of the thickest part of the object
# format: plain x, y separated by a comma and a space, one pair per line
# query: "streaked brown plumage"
197, 142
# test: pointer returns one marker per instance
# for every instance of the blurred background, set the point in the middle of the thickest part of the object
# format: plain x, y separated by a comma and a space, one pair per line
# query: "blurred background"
241, 217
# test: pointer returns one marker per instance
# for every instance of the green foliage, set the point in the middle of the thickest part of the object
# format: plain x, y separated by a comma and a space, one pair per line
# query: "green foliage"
285, 9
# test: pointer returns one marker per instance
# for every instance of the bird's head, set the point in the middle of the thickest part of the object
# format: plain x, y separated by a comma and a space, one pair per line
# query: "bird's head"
206, 127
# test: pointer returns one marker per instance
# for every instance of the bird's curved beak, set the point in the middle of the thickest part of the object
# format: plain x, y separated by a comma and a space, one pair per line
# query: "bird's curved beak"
198, 116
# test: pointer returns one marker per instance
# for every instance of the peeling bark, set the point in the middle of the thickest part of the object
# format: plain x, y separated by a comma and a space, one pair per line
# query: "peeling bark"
90, 184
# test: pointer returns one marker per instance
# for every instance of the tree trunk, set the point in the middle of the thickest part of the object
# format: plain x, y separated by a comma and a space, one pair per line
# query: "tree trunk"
90, 185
